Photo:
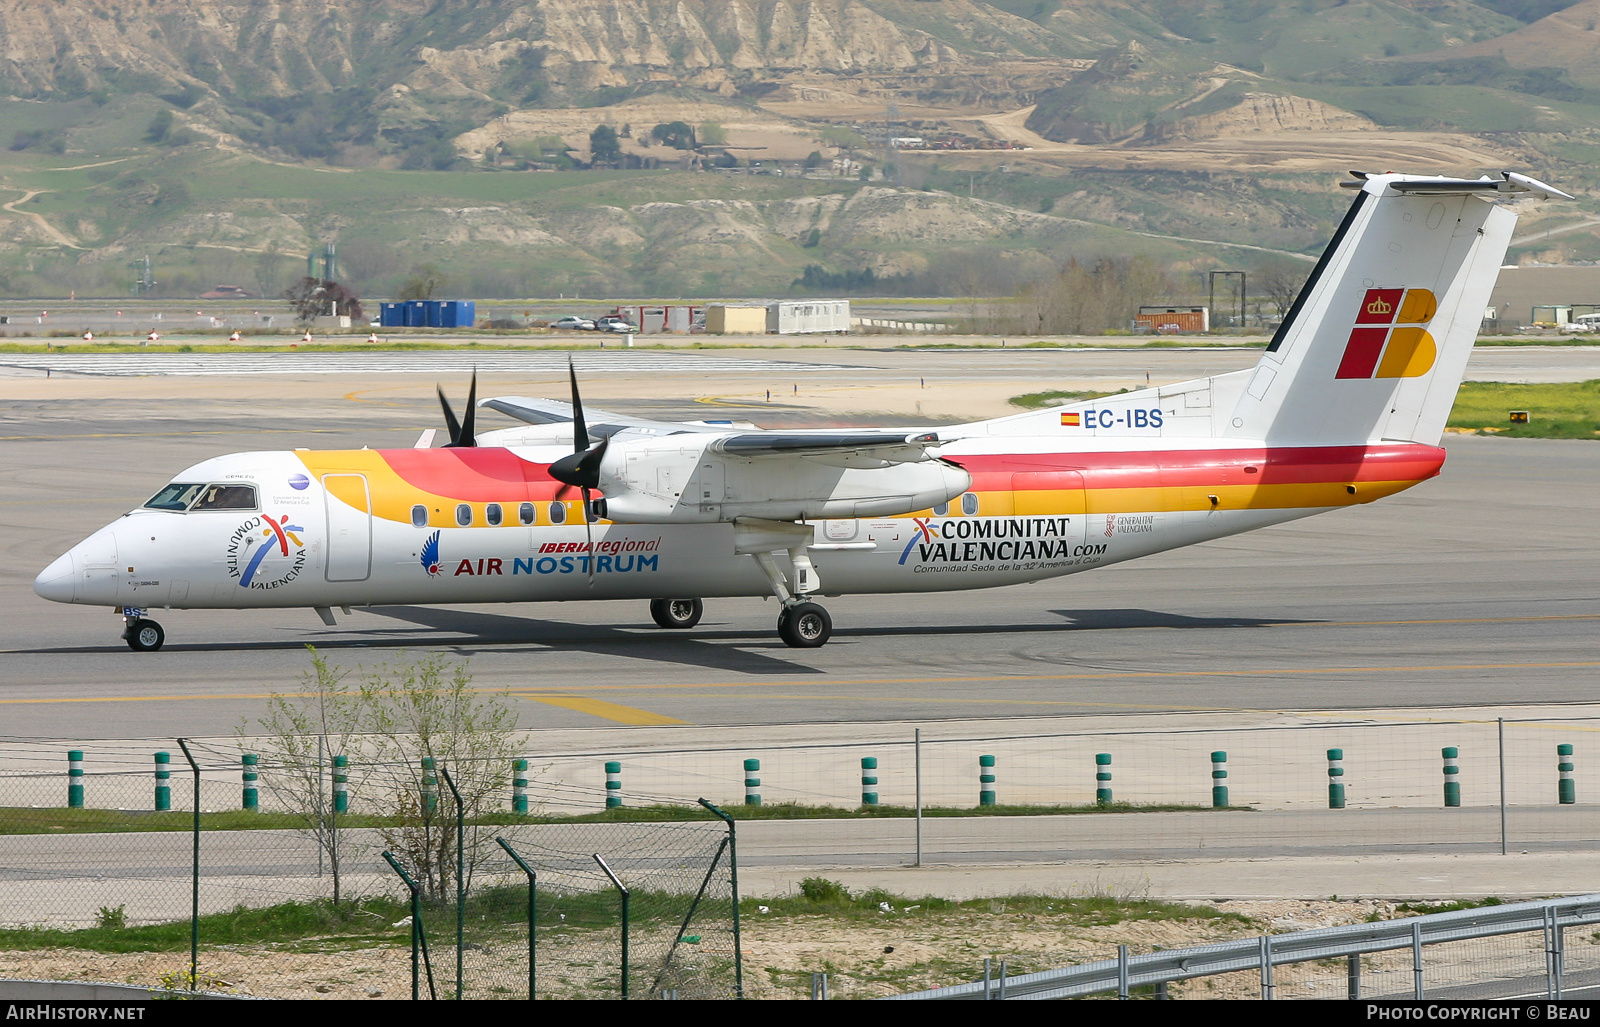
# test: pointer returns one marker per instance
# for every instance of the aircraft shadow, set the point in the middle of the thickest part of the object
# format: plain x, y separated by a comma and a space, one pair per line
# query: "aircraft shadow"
1100, 620
689, 649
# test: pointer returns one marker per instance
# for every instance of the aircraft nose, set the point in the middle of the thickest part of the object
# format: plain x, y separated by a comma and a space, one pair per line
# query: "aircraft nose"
55, 581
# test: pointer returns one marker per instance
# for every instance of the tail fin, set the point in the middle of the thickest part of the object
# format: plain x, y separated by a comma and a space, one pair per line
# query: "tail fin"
1377, 342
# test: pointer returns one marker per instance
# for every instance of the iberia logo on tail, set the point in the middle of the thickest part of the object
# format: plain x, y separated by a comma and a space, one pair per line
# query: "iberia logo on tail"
1389, 340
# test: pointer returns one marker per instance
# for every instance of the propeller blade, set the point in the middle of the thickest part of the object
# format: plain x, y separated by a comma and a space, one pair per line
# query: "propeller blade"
581, 468
463, 435
588, 534
562, 492
449, 417
580, 430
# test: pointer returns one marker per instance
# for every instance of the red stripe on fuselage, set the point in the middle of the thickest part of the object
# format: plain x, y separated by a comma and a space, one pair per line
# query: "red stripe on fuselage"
1274, 466
471, 475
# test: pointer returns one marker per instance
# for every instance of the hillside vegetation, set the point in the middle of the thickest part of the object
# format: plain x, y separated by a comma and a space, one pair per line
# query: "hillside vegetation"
227, 139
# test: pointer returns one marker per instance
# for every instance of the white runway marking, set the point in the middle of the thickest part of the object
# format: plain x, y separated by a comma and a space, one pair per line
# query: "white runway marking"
118, 365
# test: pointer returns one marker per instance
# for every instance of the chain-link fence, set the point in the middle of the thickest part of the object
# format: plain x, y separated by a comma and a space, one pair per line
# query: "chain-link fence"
171, 875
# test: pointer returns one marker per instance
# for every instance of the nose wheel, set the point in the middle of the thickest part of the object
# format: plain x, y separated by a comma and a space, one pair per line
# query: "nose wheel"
804, 626
144, 636
677, 613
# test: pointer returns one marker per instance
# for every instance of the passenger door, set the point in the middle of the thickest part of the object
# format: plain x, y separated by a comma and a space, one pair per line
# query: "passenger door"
349, 527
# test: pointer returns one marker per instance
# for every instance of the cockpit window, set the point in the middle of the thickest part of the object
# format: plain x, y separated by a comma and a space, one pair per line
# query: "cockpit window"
176, 496
226, 497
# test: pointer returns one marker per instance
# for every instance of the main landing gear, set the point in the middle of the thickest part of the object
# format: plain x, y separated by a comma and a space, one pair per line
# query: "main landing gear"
141, 634
677, 613
804, 626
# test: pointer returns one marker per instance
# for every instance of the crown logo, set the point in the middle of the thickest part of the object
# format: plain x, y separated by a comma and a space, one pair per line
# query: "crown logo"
1380, 306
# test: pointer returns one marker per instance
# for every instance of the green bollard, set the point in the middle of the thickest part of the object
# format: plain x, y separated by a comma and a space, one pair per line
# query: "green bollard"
1336, 779
869, 780
1219, 777
1452, 776
252, 793
341, 784
613, 784
163, 775
1102, 779
752, 784
430, 788
75, 779
986, 776
1567, 788
519, 786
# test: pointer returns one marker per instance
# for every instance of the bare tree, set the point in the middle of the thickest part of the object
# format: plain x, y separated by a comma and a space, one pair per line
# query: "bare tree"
1281, 281
297, 739
314, 297
423, 282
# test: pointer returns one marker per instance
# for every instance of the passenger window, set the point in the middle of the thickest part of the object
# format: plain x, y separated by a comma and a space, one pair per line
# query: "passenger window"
525, 513
174, 497
419, 517
942, 510
558, 513
491, 513
463, 514
969, 504
226, 497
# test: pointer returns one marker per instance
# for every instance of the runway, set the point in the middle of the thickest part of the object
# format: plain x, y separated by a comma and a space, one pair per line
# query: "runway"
1476, 588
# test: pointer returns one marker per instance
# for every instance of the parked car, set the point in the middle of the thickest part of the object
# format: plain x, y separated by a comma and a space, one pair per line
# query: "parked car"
572, 322
1582, 323
612, 323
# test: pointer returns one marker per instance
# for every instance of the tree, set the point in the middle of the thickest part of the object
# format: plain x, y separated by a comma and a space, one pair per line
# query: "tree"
428, 710
603, 145
424, 281
297, 739
315, 297
813, 159
713, 134
676, 134
1280, 281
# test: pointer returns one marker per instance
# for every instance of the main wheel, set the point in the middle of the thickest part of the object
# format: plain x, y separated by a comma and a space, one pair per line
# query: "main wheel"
677, 613
145, 636
805, 626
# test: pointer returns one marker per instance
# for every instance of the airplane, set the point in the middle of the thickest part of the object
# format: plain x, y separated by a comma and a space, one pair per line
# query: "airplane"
1346, 406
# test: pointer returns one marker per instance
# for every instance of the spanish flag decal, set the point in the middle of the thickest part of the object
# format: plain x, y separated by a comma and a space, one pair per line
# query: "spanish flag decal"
1071, 420
1389, 340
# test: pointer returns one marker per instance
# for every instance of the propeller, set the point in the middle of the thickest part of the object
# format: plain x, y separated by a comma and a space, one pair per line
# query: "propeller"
462, 434
581, 470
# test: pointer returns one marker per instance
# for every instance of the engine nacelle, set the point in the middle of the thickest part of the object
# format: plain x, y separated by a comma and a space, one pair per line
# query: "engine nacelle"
681, 479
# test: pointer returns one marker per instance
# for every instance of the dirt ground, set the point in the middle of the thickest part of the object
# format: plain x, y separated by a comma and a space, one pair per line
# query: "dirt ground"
903, 951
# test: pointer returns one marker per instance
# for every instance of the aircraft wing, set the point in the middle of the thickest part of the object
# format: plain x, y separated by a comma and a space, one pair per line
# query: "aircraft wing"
601, 423
889, 447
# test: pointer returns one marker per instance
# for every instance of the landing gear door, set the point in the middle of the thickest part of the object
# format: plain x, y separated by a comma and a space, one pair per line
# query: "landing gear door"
349, 527
1055, 502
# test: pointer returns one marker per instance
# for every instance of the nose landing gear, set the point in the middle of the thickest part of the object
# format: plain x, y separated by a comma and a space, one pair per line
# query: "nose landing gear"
142, 635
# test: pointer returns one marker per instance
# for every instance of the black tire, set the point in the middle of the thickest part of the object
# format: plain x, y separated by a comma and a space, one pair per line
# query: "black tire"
805, 626
144, 636
677, 613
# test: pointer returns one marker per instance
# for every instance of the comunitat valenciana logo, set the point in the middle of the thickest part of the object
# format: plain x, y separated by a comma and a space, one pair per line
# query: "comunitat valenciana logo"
266, 552
1389, 340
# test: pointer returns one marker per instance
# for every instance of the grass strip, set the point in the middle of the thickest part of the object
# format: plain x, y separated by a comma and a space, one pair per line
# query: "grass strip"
30, 820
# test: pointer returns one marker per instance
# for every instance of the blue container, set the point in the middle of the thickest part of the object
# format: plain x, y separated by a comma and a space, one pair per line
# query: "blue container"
431, 312
392, 315
457, 314
416, 314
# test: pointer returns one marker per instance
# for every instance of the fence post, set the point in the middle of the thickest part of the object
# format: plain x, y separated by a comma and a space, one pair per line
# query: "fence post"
1567, 788
1416, 957
1102, 779
917, 753
613, 784
1452, 776
430, 788
461, 878
533, 911
1352, 976
1268, 990
1219, 778
624, 893
75, 779
1122, 972
341, 784
519, 787
752, 796
250, 797
1336, 779
986, 780
194, 905
733, 881
419, 937
869, 780
163, 775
